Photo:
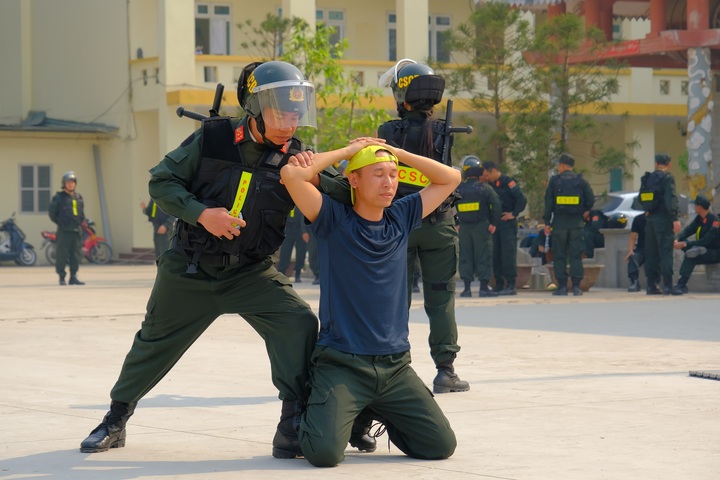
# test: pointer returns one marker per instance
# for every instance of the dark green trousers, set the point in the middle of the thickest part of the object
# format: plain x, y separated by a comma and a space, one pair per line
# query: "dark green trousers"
567, 245
476, 251
182, 306
68, 248
505, 253
437, 248
659, 249
708, 258
344, 384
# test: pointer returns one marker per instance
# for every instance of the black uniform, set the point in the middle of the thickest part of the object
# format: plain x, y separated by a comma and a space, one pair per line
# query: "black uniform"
657, 195
513, 200
593, 237
294, 230
637, 259
705, 233
478, 207
567, 197
158, 218
67, 212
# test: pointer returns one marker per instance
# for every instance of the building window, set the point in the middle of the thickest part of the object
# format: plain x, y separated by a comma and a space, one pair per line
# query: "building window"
212, 29
34, 188
438, 33
664, 87
335, 19
616, 180
392, 36
684, 87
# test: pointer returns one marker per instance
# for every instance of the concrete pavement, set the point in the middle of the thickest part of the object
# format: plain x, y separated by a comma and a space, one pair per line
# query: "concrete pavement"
591, 387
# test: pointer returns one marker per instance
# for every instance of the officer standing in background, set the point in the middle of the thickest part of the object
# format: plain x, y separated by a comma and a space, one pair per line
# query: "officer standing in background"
658, 199
636, 252
297, 237
162, 226
478, 214
417, 90
67, 211
704, 249
505, 237
568, 200
223, 184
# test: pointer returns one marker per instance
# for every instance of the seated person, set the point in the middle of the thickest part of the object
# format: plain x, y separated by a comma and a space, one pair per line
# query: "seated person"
704, 248
593, 237
361, 362
541, 245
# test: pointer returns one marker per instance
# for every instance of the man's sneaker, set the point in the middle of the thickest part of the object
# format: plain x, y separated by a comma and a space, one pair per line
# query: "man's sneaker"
447, 381
695, 252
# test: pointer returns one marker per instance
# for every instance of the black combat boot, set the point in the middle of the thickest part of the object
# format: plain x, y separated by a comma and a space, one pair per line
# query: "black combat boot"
360, 437
111, 432
634, 283
667, 287
562, 290
652, 287
286, 443
74, 281
62, 280
485, 290
577, 291
447, 381
466, 292
509, 288
297, 278
681, 287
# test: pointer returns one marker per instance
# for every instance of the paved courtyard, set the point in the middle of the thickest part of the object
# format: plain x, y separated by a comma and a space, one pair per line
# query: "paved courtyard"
591, 387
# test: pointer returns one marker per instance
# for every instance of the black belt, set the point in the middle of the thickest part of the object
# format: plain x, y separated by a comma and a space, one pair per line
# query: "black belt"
213, 260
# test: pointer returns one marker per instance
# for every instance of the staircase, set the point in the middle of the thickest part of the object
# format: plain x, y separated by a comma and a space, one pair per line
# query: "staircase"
137, 256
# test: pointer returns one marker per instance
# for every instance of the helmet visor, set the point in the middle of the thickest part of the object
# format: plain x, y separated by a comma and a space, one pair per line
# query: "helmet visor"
287, 104
391, 76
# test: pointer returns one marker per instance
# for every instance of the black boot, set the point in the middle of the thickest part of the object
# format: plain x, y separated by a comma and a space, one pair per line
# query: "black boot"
74, 281
466, 292
577, 291
509, 288
485, 290
62, 280
297, 278
286, 443
652, 287
681, 287
561, 290
447, 381
111, 432
634, 283
360, 437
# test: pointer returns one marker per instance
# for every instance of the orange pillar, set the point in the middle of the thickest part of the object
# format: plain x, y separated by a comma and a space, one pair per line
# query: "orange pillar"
698, 14
555, 9
657, 17
606, 18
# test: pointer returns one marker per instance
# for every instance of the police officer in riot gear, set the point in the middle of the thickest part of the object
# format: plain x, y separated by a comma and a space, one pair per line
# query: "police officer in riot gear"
658, 199
223, 185
568, 201
469, 161
417, 90
505, 237
478, 213
67, 211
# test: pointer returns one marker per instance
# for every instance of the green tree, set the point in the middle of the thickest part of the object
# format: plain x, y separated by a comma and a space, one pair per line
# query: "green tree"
266, 40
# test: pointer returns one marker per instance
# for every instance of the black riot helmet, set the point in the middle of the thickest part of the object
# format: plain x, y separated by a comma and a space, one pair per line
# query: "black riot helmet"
617, 220
470, 161
414, 83
67, 176
279, 86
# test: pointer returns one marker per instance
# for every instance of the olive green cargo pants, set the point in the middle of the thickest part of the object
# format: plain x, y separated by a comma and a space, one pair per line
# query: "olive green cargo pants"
476, 251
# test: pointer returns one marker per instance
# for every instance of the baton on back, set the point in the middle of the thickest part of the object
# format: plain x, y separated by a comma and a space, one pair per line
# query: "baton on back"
181, 112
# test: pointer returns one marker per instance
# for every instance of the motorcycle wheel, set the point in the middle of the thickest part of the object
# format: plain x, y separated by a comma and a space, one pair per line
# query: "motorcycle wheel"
27, 257
50, 253
100, 253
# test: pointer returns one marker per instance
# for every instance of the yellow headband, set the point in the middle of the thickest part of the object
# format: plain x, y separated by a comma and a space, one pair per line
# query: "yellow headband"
367, 156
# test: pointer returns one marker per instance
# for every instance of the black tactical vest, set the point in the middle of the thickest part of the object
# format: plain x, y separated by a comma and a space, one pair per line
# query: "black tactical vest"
473, 206
71, 211
652, 190
568, 194
223, 180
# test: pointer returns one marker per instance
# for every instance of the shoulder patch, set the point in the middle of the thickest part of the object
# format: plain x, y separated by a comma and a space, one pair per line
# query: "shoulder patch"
512, 184
177, 155
716, 224
239, 134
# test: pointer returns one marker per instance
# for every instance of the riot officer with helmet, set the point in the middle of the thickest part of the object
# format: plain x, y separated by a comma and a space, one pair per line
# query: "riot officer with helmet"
67, 211
417, 89
478, 213
223, 185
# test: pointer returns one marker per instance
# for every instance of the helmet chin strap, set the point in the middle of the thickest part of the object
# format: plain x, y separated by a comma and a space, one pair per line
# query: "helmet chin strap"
261, 128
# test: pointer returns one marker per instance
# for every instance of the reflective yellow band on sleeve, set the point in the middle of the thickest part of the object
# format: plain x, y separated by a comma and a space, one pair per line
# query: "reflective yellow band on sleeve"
412, 176
561, 200
241, 194
154, 210
647, 197
697, 233
75, 207
468, 207
292, 213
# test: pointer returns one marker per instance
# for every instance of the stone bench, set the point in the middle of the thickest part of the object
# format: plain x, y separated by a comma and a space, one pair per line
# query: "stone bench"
592, 272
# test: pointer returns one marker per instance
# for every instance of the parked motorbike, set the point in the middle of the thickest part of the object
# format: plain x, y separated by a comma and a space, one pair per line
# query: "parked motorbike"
13, 245
94, 248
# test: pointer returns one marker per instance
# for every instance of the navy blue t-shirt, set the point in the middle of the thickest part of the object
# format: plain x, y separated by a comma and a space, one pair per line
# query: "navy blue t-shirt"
363, 276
